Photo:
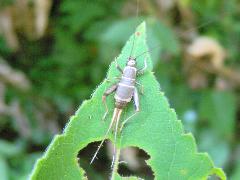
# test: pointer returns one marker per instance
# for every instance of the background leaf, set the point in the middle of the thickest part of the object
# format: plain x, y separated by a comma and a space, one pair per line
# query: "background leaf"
4, 169
213, 109
236, 173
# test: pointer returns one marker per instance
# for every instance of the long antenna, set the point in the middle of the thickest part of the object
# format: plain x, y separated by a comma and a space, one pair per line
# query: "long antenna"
105, 136
134, 37
190, 30
132, 45
137, 8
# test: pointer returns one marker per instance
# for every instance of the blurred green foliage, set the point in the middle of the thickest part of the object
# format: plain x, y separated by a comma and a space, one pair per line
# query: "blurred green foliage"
4, 3
84, 37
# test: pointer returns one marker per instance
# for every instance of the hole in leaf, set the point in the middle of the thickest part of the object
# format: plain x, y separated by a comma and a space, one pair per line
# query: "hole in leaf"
132, 162
100, 168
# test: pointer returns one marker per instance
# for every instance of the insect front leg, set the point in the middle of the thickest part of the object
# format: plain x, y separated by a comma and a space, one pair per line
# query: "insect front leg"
106, 93
110, 80
136, 106
141, 71
117, 66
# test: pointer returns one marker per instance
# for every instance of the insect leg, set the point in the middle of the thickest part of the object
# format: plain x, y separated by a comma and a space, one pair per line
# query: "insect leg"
110, 80
136, 99
141, 71
136, 105
106, 93
142, 87
117, 66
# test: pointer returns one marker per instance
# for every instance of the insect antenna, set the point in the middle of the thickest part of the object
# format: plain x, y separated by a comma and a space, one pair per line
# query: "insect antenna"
105, 137
134, 36
181, 34
132, 46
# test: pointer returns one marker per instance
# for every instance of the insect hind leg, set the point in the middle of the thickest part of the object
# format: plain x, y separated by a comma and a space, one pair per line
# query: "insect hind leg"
126, 120
104, 97
136, 105
141, 86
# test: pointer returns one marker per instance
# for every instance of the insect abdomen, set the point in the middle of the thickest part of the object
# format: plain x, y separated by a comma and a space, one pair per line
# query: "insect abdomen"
126, 86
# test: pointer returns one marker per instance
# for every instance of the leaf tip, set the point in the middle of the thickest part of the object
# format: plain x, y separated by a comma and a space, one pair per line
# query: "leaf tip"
141, 27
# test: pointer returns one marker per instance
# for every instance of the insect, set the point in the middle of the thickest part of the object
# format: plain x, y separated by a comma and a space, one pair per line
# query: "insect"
125, 91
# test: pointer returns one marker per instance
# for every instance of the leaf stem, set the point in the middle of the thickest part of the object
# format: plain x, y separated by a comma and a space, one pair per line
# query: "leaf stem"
115, 165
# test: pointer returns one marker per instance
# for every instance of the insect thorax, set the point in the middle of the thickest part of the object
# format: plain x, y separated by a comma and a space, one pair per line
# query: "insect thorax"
129, 72
126, 86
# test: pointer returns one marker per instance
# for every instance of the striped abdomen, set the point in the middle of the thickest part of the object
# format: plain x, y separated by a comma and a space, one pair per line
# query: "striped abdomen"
126, 85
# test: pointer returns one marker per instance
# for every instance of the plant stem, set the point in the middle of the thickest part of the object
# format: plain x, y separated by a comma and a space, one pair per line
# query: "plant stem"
115, 166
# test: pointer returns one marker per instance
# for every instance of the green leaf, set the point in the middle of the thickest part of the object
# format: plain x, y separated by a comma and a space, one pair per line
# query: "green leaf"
80, 13
218, 148
236, 172
213, 109
221, 122
155, 129
164, 35
4, 169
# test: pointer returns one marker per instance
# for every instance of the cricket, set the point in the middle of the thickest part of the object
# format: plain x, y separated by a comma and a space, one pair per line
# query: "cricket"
125, 91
